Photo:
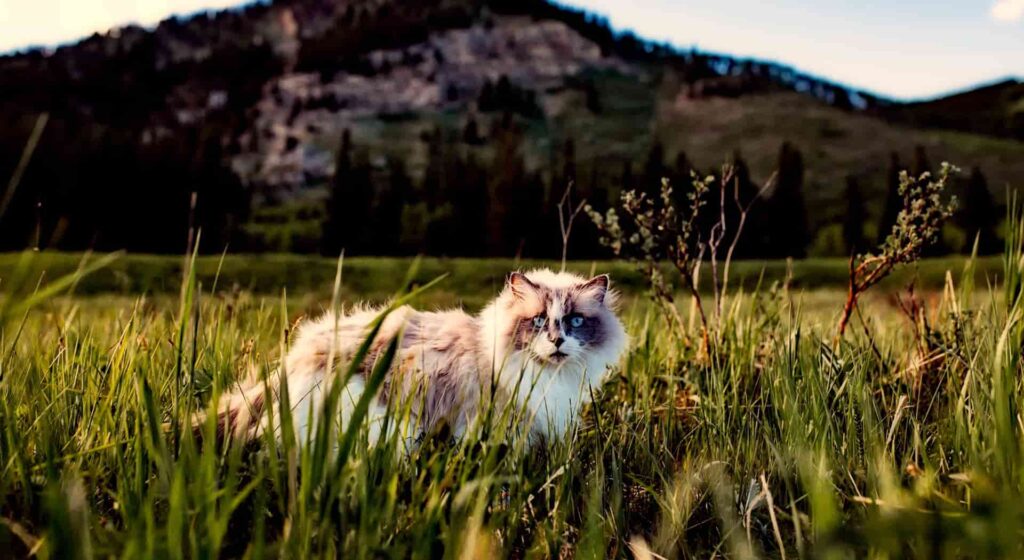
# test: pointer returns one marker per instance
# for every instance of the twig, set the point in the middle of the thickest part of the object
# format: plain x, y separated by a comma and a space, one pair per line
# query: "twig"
566, 216
716, 235
771, 514
744, 211
867, 334
692, 279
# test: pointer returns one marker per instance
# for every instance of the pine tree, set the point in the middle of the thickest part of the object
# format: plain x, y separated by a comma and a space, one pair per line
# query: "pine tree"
598, 188
921, 163
893, 200
593, 97
585, 239
434, 194
387, 221
841, 99
567, 173
443, 232
331, 240
486, 101
854, 218
654, 170
978, 216
789, 213
522, 223
627, 181
508, 172
470, 214
222, 200
726, 202
434, 176
565, 177
741, 194
349, 205
471, 132
682, 181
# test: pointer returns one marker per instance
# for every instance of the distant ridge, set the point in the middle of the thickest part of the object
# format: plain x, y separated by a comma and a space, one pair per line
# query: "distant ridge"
995, 108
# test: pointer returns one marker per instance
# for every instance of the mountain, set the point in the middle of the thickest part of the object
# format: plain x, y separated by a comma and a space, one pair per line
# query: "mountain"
248, 109
995, 109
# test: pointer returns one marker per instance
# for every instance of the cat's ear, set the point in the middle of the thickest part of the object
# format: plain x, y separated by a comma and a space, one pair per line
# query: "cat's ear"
520, 285
596, 288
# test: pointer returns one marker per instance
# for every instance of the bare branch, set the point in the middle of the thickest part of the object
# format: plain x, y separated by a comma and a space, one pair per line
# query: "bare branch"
566, 216
744, 211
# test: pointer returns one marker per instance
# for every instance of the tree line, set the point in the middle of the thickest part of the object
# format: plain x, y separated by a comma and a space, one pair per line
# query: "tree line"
476, 196
479, 198
978, 215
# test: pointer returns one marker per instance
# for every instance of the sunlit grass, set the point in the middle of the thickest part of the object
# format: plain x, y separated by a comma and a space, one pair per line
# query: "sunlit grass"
903, 444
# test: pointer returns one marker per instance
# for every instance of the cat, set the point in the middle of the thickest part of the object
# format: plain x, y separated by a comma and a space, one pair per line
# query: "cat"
543, 346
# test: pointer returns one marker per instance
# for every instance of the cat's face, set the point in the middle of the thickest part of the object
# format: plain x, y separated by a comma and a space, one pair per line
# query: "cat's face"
559, 318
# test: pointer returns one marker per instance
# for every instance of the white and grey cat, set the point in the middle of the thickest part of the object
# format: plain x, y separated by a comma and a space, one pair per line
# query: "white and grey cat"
547, 342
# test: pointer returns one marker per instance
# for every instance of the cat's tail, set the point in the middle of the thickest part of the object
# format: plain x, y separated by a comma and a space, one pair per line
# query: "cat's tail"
238, 414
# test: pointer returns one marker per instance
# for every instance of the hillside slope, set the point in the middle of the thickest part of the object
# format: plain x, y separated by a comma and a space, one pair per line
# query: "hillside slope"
248, 109
834, 143
996, 109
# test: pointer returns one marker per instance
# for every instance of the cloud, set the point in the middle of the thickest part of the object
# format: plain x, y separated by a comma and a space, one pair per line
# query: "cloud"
1008, 10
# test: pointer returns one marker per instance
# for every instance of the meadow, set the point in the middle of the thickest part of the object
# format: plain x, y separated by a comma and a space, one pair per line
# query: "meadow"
776, 440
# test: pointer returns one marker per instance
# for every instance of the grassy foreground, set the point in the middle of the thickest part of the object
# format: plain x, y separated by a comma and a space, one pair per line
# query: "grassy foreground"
904, 440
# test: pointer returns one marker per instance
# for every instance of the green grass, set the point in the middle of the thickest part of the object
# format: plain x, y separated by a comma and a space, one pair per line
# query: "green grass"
469, 280
904, 444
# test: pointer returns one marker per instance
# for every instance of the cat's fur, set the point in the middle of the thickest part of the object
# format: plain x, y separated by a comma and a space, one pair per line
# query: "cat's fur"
447, 360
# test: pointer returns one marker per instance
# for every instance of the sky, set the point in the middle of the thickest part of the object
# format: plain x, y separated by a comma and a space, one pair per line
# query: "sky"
908, 49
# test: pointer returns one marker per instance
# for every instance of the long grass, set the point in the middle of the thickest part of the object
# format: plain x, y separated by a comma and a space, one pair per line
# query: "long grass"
903, 441
470, 280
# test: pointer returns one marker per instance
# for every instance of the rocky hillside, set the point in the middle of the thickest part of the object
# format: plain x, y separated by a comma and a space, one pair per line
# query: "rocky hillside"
290, 141
288, 74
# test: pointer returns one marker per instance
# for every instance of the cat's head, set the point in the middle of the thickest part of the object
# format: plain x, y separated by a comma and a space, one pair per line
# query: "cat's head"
560, 319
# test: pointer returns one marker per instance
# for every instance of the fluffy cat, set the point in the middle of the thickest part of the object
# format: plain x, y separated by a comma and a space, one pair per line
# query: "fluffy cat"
544, 345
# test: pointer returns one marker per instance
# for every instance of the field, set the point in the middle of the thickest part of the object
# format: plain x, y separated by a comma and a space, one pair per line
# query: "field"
901, 440
472, 280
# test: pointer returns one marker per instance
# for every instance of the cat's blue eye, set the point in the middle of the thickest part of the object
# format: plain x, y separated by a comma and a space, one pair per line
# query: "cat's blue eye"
576, 321
538, 321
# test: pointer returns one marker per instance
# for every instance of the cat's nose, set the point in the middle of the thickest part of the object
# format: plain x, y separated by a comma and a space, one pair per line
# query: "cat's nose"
558, 342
